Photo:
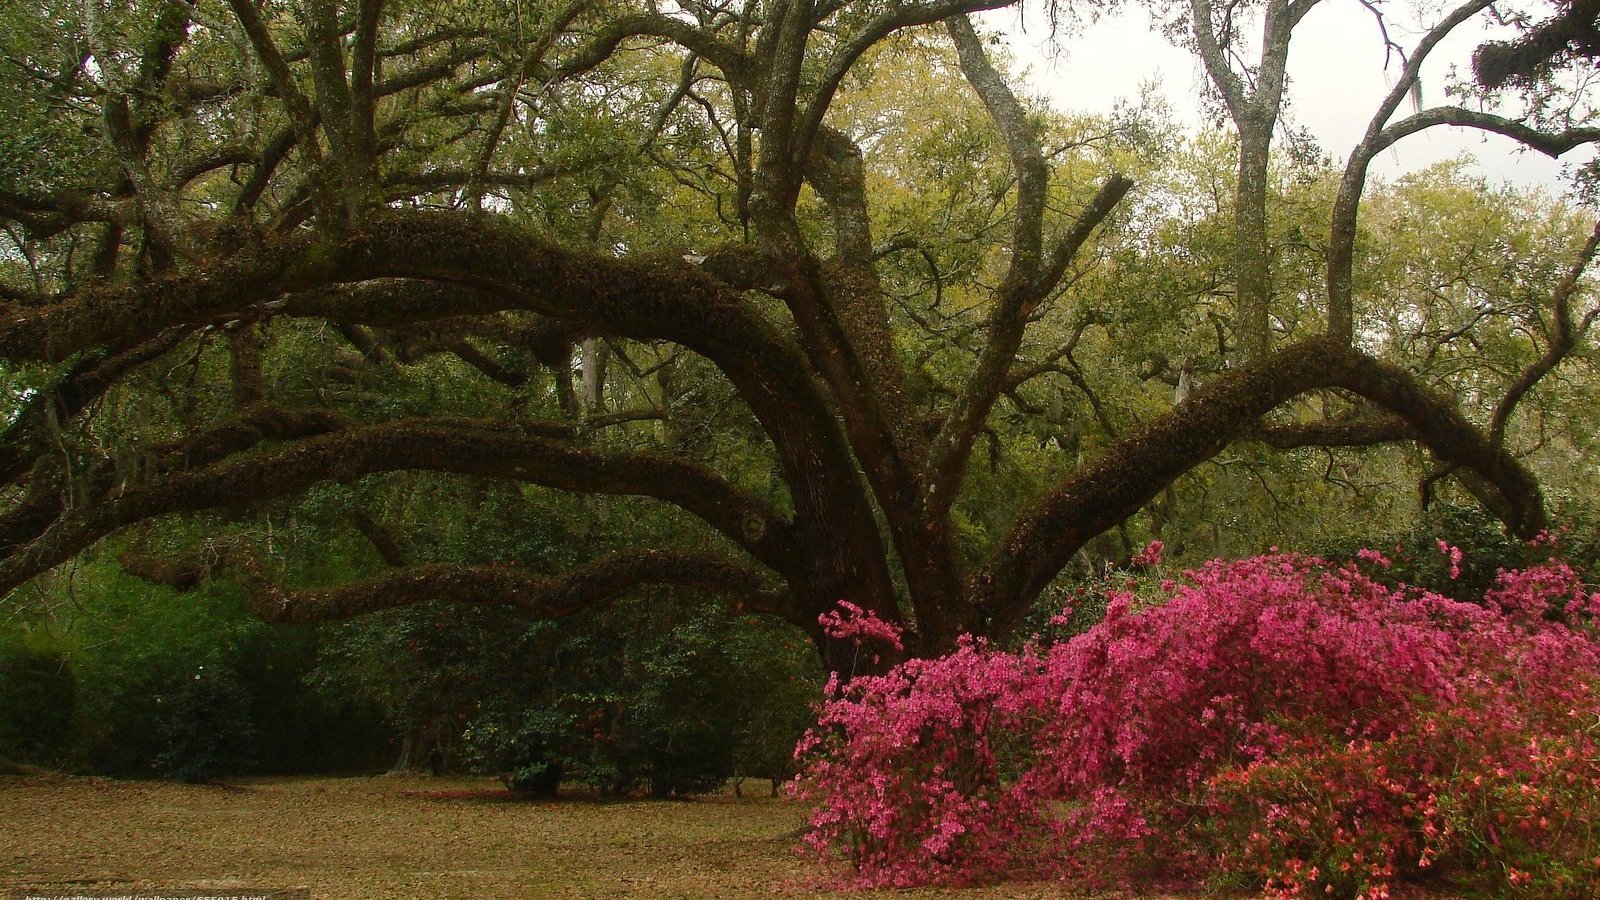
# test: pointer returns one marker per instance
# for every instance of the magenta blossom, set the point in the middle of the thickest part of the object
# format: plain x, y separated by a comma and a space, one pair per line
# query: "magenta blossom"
852, 623
1150, 555
1454, 555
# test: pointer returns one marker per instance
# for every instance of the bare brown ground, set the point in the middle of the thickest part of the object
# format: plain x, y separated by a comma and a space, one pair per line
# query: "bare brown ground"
400, 837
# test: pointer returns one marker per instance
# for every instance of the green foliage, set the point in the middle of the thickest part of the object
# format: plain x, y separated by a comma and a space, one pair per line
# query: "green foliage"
38, 695
136, 680
656, 693
1486, 550
43, 150
204, 726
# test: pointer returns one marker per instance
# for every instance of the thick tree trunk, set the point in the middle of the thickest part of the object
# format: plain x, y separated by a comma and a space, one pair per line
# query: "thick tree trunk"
421, 751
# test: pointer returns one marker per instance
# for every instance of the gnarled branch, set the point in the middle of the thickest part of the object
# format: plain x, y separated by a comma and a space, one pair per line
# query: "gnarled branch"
549, 596
1136, 468
462, 447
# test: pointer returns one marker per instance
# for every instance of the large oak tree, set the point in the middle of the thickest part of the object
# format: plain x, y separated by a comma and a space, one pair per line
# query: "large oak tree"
434, 180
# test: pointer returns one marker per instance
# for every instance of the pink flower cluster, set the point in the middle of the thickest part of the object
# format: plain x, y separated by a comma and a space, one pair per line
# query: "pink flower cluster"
852, 623
861, 627
1279, 722
1454, 555
1150, 555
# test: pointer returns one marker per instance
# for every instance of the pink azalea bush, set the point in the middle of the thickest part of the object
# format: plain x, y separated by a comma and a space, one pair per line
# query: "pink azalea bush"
1278, 723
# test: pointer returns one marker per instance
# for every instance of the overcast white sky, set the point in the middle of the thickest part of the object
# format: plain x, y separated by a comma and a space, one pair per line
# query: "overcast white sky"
1337, 77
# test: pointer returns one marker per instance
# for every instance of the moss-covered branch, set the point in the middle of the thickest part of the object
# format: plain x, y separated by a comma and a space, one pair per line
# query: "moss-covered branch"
1136, 468
555, 596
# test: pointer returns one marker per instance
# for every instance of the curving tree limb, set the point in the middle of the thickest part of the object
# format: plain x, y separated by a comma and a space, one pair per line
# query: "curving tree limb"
1136, 468
550, 596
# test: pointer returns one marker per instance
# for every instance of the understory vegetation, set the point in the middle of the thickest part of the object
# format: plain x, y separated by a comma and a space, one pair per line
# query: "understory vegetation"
657, 694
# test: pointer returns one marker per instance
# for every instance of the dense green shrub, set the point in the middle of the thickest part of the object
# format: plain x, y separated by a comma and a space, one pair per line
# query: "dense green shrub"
1486, 550
133, 679
38, 695
203, 726
659, 693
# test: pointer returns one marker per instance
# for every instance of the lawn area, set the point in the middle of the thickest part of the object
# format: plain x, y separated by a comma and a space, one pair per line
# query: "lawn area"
400, 837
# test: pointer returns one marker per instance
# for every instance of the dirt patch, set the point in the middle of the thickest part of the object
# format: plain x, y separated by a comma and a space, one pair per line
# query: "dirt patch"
399, 838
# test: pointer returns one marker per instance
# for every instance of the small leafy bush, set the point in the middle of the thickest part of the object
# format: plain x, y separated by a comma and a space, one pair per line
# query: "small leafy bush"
658, 694
1279, 723
38, 694
204, 726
